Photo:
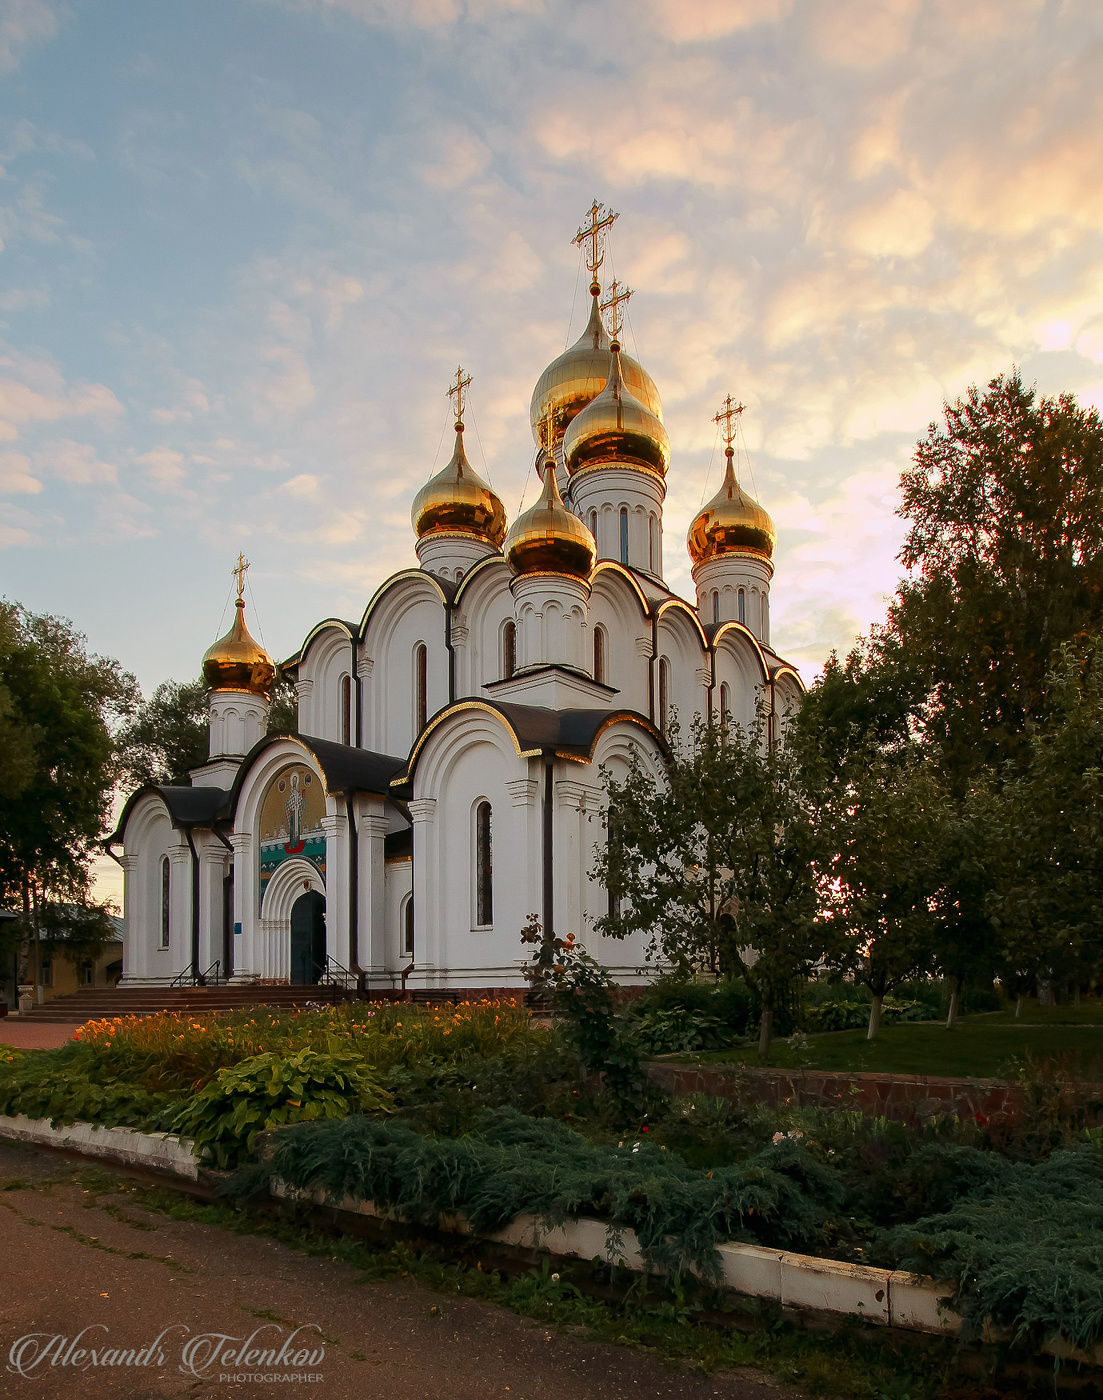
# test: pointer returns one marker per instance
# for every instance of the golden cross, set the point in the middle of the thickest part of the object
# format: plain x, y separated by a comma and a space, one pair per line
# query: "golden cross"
729, 417
618, 297
458, 390
601, 221
239, 573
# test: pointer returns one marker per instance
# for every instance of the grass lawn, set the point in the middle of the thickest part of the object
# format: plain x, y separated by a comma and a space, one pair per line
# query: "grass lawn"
981, 1046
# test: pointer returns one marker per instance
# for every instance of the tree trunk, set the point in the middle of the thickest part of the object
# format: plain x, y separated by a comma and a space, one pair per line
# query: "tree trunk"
951, 1017
1076, 995
1019, 1006
874, 1017
765, 1031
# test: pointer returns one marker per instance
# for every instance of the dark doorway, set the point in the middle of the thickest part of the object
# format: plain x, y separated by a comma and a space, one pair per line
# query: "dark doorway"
308, 938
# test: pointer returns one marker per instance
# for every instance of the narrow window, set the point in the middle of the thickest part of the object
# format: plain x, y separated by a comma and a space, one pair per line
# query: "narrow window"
715, 606
593, 523
651, 543
599, 655
664, 693
725, 701
763, 633
509, 650
346, 709
47, 971
165, 892
484, 866
408, 927
613, 909
742, 606
624, 534
421, 685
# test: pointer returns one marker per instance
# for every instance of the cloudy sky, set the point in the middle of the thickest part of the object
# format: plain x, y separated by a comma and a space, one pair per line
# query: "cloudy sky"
245, 243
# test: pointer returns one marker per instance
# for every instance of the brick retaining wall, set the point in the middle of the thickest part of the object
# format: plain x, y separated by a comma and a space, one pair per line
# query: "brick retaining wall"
891, 1095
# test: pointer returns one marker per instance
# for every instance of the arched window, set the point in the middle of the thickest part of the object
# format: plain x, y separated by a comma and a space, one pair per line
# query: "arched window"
509, 650
166, 892
593, 523
421, 686
742, 606
346, 709
624, 534
651, 551
763, 634
725, 702
484, 866
664, 693
715, 606
613, 830
599, 655
408, 926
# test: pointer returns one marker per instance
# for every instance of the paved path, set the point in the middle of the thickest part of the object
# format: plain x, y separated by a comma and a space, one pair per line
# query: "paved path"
28, 1034
74, 1260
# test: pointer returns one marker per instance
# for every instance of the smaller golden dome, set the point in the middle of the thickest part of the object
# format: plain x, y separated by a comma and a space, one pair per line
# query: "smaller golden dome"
548, 539
731, 523
579, 375
238, 662
457, 501
616, 429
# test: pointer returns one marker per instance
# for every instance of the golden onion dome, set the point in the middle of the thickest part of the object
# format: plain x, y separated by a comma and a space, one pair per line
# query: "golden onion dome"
616, 429
731, 523
237, 661
579, 375
548, 539
457, 501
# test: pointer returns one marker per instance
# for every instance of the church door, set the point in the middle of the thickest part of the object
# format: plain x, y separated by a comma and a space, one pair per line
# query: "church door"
308, 938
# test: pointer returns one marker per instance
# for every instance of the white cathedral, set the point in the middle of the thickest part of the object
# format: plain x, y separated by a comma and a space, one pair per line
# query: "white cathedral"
445, 781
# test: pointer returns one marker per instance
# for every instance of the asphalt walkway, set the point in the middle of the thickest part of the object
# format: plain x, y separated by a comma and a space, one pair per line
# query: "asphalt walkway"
93, 1271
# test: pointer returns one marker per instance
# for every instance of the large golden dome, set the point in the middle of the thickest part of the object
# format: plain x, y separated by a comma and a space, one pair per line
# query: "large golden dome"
548, 539
616, 429
579, 375
731, 523
457, 501
238, 662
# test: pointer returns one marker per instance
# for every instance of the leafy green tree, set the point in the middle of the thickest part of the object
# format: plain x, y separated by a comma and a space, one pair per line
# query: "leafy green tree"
66, 702
884, 827
1046, 836
715, 860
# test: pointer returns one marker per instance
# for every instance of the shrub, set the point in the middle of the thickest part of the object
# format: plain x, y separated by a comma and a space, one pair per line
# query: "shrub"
64, 1087
269, 1090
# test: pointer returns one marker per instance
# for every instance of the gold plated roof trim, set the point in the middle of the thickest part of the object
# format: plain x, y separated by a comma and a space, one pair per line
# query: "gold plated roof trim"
237, 661
731, 523
548, 538
579, 375
457, 501
616, 429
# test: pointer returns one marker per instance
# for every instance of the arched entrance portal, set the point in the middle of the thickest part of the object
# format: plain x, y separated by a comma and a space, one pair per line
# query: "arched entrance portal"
308, 938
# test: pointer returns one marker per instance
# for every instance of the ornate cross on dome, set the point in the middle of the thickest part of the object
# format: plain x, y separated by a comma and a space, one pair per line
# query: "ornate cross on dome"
239, 571
458, 391
729, 418
618, 297
601, 221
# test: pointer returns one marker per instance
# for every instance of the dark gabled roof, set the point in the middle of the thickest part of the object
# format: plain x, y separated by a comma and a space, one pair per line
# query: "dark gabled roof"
536, 730
344, 767
186, 806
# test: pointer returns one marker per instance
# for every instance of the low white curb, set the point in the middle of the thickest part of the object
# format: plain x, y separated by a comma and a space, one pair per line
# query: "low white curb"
161, 1151
885, 1296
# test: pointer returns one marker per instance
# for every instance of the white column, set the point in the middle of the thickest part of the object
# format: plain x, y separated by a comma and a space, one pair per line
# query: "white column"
248, 961
179, 954
427, 925
212, 871
573, 800
304, 690
335, 826
371, 827
135, 937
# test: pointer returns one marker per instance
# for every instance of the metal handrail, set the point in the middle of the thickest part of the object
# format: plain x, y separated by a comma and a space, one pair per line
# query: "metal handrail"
187, 978
335, 974
190, 978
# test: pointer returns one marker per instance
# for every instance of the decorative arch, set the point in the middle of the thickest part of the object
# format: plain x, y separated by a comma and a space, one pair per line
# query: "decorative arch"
293, 878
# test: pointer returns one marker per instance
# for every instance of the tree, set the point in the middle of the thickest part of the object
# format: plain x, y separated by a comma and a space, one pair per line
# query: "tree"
65, 702
170, 733
715, 860
885, 817
1046, 834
